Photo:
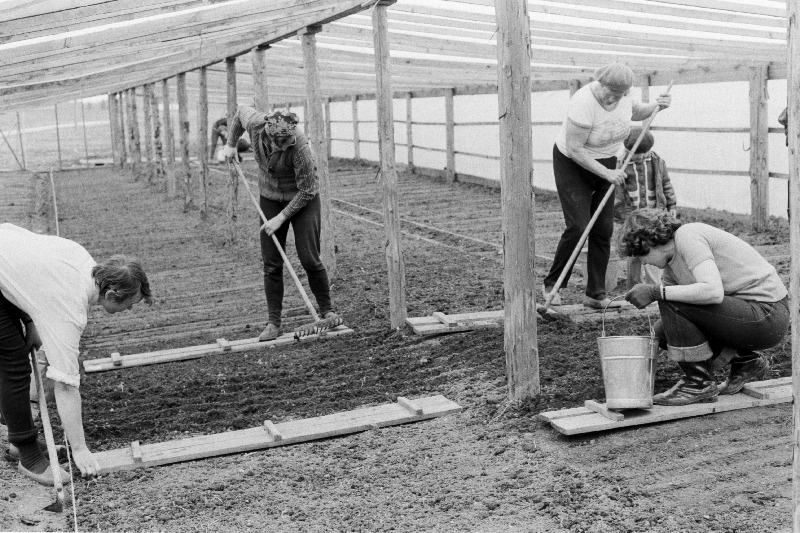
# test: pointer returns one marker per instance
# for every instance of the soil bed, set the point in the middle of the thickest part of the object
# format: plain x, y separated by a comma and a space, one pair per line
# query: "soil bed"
493, 467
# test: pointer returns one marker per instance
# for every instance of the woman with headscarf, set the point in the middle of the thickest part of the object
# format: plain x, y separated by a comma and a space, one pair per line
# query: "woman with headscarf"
585, 165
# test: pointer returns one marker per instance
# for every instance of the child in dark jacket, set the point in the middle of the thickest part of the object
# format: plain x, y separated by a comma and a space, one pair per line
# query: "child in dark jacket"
647, 185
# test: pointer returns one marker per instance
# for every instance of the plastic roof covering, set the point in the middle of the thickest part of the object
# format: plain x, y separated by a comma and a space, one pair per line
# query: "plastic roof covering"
61, 50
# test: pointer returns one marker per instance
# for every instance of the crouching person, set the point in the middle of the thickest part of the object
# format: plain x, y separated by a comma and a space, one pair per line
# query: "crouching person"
46, 287
717, 291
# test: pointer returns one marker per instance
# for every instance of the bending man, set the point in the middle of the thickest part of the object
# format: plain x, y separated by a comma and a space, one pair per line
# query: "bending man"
46, 287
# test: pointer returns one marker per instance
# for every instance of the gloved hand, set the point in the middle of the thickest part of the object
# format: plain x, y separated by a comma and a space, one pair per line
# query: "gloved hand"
642, 295
229, 152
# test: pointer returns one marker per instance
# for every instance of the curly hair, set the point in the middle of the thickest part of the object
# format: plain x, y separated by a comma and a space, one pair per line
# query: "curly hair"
645, 228
125, 276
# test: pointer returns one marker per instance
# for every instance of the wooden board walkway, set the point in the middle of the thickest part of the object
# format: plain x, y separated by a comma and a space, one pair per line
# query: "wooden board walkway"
578, 420
119, 362
439, 323
271, 435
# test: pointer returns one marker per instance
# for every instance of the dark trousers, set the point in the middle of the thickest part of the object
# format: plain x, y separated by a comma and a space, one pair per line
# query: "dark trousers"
15, 375
743, 325
580, 192
306, 228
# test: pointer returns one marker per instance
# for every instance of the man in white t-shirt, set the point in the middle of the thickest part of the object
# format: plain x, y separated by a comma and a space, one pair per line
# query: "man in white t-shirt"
46, 287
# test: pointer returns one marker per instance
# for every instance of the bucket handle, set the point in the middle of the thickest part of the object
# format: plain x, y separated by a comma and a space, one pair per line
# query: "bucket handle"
649, 319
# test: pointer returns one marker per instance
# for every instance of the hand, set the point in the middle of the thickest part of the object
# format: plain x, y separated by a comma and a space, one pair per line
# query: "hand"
664, 101
229, 152
616, 176
86, 462
642, 295
272, 225
32, 338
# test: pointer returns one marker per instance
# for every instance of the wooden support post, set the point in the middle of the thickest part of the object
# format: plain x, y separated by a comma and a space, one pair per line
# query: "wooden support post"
202, 139
574, 85
183, 129
328, 145
315, 129
112, 125
409, 133
793, 111
233, 180
123, 137
58, 138
85, 140
159, 151
759, 148
169, 143
149, 150
645, 87
260, 93
516, 175
21, 145
356, 139
391, 218
133, 124
450, 135
169, 136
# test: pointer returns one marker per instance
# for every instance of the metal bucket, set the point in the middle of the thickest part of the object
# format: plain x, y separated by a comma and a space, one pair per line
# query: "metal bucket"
629, 369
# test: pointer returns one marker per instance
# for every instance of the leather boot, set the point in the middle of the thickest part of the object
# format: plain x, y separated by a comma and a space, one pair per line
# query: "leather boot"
696, 386
744, 369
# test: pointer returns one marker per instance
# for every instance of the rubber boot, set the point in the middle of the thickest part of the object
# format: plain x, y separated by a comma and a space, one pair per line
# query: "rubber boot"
744, 369
697, 386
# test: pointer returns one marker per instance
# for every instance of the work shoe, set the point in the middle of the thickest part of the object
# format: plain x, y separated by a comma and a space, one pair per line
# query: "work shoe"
61, 451
556, 298
744, 369
46, 477
696, 386
605, 303
270, 333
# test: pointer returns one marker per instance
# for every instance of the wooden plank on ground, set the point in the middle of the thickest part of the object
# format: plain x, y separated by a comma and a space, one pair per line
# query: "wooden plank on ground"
771, 388
292, 432
195, 352
575, 421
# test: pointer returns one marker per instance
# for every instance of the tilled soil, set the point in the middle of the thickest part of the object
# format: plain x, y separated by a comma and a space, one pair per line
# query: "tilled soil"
493, 467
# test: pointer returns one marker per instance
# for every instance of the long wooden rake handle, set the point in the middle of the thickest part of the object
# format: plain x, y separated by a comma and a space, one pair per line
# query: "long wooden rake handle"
52, 455
596, 214
300, 288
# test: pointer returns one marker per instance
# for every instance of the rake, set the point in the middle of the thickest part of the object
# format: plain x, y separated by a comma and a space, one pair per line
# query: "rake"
319, 326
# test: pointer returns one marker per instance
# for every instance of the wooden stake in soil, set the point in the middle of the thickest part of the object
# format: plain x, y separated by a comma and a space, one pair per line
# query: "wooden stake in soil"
450, 135
114, 127
516, 175
159, 155
147, 104
85, 141
169, 138
232, 200
21, 145
58, 138
759, 148
409, 133
391, 218
356, 140
202, 138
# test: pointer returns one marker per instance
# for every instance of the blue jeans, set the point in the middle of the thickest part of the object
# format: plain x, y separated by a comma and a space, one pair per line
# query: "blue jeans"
696, 332
306, 228
580, 193
15, 375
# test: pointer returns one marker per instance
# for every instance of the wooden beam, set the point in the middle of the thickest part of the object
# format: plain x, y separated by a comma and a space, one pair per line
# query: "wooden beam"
202, 139
263, 436
518, 201
450, 135
394, 252
183, 135
260, 92
315, 128
759, 149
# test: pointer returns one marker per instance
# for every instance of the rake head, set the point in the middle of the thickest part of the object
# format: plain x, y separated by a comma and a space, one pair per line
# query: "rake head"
318, 327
